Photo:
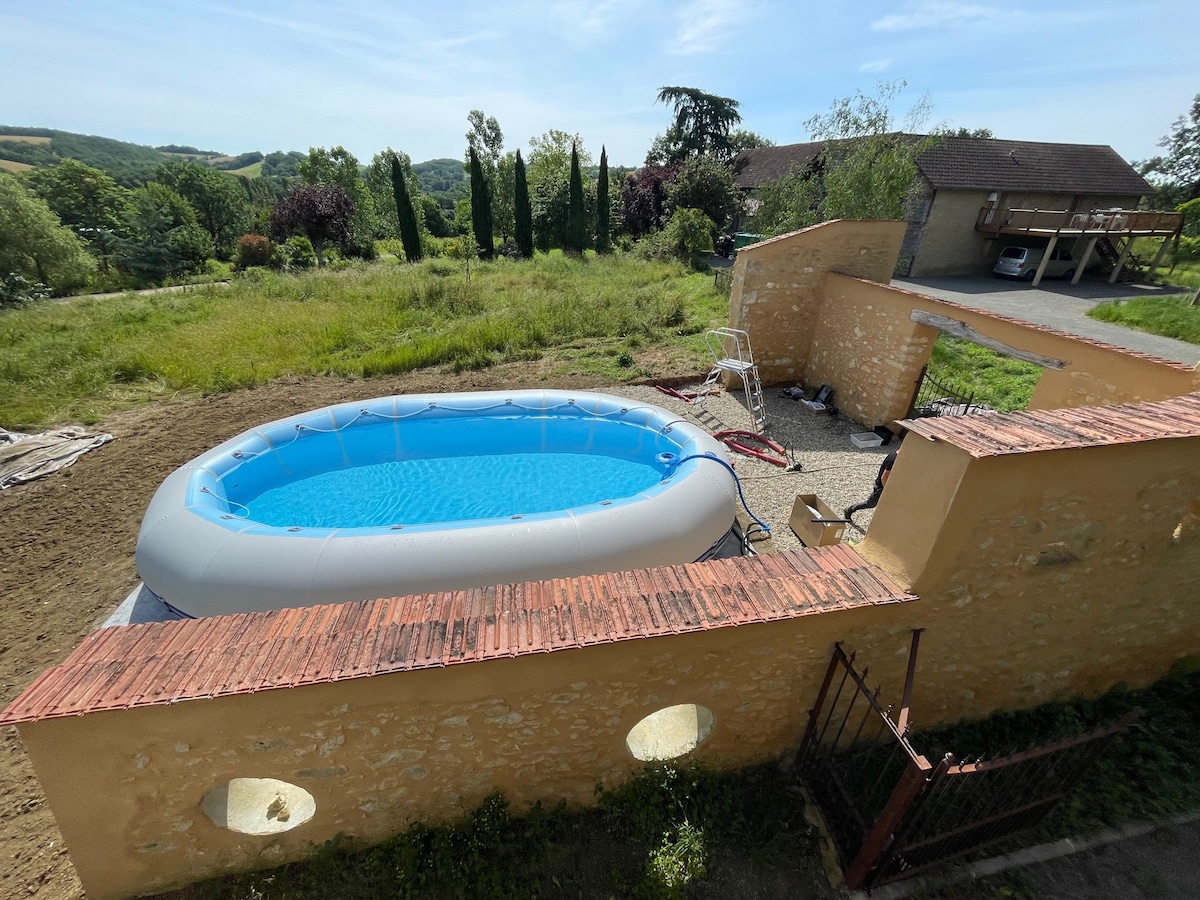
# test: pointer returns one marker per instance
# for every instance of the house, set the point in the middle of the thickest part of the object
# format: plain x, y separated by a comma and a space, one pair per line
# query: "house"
974, 196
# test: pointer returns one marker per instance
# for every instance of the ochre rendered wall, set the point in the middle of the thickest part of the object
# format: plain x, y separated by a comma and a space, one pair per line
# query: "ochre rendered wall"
1042, 574
378, 753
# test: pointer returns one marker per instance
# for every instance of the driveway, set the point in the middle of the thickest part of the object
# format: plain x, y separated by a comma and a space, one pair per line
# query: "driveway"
1058, 304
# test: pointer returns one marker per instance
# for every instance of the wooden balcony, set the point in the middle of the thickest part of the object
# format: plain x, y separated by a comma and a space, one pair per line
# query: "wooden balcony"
1075, 222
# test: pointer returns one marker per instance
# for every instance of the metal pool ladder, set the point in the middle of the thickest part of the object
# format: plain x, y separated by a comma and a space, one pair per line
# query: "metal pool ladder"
731, 352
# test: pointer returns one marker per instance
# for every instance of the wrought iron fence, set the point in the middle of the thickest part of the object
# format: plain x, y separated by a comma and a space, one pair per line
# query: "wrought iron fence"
936, 399
891, 811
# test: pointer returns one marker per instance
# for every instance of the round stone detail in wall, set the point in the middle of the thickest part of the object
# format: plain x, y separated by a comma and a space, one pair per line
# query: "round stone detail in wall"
258, 805
670, 732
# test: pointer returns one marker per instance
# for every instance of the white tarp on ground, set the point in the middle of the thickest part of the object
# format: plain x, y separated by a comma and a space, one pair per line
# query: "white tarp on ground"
24, 457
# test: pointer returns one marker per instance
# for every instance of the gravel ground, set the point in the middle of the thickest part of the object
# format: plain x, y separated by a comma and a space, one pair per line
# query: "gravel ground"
830, 466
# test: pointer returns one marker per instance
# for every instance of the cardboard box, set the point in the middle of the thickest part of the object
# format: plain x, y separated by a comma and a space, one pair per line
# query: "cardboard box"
806, 511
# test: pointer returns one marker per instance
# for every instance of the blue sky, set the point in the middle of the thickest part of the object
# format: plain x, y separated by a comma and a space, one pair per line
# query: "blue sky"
238, 76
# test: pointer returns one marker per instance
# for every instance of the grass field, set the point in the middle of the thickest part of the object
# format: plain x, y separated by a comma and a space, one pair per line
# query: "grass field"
11, 165
251, 171
25, 138
1003, 383
1172, 317
76, 360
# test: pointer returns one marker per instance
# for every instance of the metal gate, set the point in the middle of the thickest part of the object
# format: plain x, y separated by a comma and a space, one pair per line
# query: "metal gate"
890, 811
936, 399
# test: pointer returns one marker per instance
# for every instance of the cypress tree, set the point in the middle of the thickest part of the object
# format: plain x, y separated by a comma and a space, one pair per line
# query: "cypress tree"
602, 245
410, 232
481, 208
522, 211
576, 223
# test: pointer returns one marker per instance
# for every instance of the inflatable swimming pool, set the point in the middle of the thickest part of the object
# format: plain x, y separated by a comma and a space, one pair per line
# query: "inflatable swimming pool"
421, 493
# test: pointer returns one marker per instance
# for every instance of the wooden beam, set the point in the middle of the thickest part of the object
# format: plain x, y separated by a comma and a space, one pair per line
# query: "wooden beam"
955, 328
1041, 269
1087, 257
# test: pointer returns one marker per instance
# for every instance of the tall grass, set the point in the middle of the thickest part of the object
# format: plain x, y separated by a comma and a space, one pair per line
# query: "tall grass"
1003, 383
77, 360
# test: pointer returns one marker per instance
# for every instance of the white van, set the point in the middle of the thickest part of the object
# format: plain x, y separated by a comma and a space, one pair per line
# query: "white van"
1023, 262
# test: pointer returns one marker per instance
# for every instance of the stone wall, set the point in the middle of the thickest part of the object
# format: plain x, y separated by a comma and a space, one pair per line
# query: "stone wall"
773, 281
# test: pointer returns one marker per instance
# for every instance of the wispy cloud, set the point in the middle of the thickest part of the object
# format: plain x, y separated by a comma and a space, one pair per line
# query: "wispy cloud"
876, 65
705, 24
940, 14
586, 20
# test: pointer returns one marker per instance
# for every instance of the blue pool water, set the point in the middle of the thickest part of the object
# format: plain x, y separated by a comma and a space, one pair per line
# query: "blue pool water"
451, 489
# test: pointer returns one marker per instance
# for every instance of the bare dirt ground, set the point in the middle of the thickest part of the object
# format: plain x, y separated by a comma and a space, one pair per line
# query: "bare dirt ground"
66, 560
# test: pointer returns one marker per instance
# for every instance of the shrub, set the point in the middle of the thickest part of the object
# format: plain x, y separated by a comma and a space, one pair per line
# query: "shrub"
689, 233
253, 250
16, 290
686, 237
509, 250
298, 252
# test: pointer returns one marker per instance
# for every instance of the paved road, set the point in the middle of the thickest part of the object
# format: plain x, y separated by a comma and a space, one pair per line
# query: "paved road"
1058, 304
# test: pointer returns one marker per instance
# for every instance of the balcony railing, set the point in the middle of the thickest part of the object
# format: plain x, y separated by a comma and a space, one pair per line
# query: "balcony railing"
1076, 222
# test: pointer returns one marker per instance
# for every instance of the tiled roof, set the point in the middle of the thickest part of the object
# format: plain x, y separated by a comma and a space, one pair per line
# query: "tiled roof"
1065, 429
752, 167
987, 164
169, 662
994, 165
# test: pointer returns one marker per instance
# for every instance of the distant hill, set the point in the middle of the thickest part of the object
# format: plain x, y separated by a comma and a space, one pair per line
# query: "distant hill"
131, 165
445, 180
128, 164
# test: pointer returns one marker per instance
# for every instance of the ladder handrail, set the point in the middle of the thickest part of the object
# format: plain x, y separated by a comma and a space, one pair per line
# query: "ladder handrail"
717, 341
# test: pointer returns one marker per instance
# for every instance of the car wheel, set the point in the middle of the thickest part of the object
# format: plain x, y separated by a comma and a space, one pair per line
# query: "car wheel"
1068, 275
1028, 276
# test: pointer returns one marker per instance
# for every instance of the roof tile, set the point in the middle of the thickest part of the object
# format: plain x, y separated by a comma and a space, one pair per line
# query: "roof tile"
159, 663
1064, 429
986, 164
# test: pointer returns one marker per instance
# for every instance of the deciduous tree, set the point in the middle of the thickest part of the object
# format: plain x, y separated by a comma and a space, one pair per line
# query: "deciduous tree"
35, 245
83, 198
867, 170
1176, 174
218, 200
705, 184
340, 166
549, 175
324, 213
644, 199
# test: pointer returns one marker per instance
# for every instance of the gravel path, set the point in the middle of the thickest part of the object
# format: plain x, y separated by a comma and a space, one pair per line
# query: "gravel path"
830, 466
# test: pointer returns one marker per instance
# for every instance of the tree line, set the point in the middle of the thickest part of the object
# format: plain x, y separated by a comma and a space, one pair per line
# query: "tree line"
69, 225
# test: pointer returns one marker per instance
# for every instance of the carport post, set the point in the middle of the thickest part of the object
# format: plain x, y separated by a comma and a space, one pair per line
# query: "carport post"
1087, 255
1037, 278
1116, 272
1157, 257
